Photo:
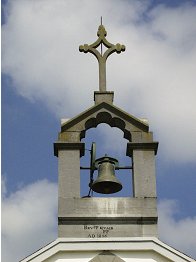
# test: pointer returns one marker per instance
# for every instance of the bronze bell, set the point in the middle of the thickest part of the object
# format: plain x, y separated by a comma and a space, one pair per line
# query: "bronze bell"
106, 182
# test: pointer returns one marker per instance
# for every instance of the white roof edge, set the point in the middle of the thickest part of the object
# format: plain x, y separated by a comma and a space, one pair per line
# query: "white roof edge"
144, 120
123, 244
64, 120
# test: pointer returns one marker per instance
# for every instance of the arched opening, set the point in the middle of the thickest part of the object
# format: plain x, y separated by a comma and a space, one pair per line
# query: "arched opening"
109, 140
106, 117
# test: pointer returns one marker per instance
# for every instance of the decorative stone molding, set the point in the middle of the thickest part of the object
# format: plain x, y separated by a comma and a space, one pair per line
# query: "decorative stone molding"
74, 130
69, 146
141, 146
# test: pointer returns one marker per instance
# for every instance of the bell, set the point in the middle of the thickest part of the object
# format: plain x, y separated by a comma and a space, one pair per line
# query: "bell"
106, 182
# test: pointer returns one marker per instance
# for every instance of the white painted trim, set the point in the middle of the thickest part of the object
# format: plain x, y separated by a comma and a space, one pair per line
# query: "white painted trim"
112, 244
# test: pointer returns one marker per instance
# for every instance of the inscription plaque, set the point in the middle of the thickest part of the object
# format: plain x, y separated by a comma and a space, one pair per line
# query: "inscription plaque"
97, 231
105, 230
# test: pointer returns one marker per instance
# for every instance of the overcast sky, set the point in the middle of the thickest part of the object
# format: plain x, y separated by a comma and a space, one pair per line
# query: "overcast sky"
45, 78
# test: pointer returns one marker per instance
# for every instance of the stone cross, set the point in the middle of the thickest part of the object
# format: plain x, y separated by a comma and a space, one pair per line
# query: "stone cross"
118, 48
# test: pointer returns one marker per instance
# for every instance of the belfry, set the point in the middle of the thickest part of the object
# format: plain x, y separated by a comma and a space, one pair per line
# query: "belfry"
136, 216
106, 228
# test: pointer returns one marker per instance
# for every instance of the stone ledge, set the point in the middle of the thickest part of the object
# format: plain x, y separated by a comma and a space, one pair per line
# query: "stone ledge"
141, 146
107, 207
69, 146
107, 221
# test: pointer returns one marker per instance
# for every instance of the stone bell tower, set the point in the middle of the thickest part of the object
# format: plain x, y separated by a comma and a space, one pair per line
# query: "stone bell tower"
106, 229
104, 217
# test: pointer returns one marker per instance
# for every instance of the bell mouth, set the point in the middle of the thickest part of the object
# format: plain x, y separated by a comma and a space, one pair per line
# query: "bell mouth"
106, 187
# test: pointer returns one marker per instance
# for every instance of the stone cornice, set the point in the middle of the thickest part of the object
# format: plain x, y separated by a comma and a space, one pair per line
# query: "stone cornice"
69, 146
141, 146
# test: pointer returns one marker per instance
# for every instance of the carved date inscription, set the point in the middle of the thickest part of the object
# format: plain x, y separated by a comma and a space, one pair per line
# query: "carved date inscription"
95, 231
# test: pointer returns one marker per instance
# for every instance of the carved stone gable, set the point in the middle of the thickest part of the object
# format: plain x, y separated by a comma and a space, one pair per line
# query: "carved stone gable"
134, 129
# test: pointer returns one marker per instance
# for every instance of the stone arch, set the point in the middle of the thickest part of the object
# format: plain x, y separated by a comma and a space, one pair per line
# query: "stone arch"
107, 118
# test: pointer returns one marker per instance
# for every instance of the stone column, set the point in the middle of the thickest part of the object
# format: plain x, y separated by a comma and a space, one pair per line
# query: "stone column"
69, 168
143, 162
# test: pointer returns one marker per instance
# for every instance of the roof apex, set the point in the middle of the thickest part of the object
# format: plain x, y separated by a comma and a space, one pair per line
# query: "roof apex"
109, 108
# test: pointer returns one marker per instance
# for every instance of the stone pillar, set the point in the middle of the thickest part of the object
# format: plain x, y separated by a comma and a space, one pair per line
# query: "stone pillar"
143, 162
68, 168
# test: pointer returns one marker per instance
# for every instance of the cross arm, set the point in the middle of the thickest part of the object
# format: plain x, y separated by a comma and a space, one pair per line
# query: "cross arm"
118, 48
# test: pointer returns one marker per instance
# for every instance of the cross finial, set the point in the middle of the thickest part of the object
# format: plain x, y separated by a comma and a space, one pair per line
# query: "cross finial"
118, 48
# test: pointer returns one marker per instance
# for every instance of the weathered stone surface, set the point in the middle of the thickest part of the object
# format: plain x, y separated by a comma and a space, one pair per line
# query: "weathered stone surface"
88, 217
144, 180
100, 97
117, 207
69, 173
107, 217
133, 128
89, 230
